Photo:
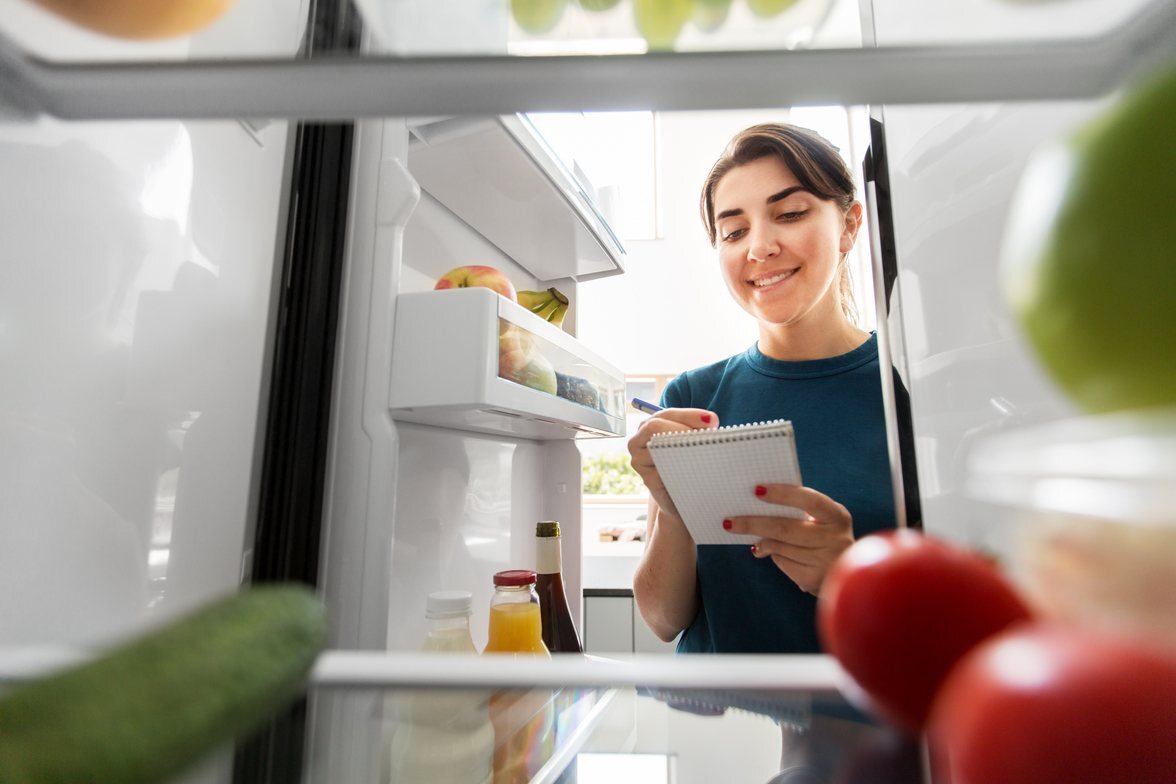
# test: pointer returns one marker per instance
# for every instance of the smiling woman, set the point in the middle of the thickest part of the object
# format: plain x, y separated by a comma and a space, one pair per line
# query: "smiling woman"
779, 205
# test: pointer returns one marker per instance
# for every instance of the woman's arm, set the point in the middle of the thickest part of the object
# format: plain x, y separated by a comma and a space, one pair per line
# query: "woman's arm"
665, 585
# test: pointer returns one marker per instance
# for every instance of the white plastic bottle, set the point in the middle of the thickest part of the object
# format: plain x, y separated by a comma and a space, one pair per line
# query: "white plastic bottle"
447, 622
443, 736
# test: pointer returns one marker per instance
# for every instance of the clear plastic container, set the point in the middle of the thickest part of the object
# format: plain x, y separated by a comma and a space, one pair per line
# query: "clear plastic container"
529, 359
1093, 502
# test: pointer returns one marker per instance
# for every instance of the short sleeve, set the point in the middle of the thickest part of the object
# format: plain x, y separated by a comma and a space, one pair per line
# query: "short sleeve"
677, 393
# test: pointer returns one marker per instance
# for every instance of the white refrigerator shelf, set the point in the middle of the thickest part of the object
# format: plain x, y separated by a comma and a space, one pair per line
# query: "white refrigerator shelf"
471, 359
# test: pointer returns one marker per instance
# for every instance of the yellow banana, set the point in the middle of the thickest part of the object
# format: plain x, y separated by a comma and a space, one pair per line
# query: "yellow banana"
550, 304
548, 309
557, 316
535, 301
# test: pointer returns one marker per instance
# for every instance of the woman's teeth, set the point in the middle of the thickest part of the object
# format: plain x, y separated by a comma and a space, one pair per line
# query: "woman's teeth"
760, 283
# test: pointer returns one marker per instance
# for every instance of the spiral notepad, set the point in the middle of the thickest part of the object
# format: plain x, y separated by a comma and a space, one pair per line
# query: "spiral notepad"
712, 474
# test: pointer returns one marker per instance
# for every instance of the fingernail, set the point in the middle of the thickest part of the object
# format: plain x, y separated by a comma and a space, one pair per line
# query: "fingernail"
755, 549
727, 525
761, 490
705, 419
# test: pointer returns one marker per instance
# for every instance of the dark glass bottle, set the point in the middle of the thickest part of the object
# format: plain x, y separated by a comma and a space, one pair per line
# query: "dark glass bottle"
559, 633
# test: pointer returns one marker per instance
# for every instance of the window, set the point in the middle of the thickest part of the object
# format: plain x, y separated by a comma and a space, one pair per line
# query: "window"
624, 768
613, 155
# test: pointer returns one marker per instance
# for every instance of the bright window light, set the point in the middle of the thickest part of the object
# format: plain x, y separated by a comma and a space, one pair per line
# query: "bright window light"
614, 154
623, 768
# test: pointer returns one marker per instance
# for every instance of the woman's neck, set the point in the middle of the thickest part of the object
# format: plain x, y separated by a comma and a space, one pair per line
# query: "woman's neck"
810, 340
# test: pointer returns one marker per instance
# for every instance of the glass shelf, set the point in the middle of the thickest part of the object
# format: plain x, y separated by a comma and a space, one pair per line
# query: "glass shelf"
247, 64
749, 718
713, 718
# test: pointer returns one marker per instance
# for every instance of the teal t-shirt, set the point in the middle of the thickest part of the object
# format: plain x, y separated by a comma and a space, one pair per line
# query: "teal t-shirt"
747, 605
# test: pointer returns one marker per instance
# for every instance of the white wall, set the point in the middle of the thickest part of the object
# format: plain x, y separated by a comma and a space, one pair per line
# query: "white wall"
671, 310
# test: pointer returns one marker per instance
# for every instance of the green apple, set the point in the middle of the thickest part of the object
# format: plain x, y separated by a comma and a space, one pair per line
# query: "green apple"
599, 5
539, 374
1089, 262
709, 15
537, 16
769, 8
661, 21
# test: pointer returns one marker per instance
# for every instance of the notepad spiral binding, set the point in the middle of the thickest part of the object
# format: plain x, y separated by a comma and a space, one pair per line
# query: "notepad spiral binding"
789, 708
721, 435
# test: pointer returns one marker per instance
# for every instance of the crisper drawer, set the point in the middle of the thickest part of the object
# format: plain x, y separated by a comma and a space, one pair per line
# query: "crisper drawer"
473, 360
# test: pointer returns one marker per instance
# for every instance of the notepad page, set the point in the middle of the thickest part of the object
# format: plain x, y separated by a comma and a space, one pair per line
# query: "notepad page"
712, 474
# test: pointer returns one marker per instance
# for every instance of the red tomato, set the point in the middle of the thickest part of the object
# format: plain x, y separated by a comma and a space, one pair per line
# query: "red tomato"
1041, 704
898, 609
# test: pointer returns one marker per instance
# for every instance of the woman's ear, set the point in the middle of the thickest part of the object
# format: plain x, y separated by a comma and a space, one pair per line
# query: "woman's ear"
853, 222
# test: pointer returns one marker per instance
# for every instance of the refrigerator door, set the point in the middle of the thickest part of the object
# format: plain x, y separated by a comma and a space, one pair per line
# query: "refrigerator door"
138, 267
953, 171
138, 272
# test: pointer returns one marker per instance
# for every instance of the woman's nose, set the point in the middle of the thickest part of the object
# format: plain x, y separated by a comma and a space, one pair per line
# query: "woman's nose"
763, 246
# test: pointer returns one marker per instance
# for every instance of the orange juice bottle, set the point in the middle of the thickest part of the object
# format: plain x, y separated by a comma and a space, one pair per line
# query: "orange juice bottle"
518, 716
516, 626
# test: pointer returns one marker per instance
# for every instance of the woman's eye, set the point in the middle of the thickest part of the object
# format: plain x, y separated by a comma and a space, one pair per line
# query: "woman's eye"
734, 234
792, 216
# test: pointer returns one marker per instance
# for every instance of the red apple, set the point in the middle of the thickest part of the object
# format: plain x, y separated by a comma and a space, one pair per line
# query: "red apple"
516, 348
519, 361
478, 275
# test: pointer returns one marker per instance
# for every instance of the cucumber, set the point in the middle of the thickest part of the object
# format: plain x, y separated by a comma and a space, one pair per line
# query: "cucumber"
147, 710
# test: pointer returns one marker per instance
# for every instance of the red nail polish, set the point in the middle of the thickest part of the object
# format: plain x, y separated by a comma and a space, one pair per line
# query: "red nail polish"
705, 419
727, 525
755, 549
761, 490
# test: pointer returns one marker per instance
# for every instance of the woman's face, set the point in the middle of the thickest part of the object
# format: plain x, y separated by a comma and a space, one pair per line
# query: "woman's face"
780, 245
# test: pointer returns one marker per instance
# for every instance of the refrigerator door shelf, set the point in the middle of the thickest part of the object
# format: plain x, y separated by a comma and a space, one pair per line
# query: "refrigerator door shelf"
500, 177
463, 358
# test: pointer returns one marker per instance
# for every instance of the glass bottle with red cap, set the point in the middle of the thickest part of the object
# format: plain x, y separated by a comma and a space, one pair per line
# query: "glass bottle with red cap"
515, 623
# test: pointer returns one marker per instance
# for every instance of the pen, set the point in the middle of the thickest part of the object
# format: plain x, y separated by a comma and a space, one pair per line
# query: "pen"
648, 408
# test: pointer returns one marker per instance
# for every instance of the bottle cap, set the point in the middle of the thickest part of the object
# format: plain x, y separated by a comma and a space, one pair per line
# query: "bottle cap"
448, 604
547, 528
514, 577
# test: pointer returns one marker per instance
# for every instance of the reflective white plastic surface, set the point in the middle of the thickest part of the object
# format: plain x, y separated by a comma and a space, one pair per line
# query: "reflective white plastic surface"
136, 265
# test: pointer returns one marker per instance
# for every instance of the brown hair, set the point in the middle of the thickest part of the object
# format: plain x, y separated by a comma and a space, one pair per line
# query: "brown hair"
809, 156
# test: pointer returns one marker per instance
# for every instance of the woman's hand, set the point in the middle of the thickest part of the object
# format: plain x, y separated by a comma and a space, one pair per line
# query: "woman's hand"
666, 420
665, 585
802, 548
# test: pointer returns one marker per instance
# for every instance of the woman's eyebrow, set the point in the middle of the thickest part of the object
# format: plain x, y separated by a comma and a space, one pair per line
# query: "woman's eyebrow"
784, 194
775, 197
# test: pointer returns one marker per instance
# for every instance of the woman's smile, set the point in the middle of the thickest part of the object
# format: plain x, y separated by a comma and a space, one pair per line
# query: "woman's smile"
772, 280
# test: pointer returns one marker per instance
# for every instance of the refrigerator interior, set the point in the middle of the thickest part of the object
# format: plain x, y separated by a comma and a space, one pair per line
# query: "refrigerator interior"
137, 316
